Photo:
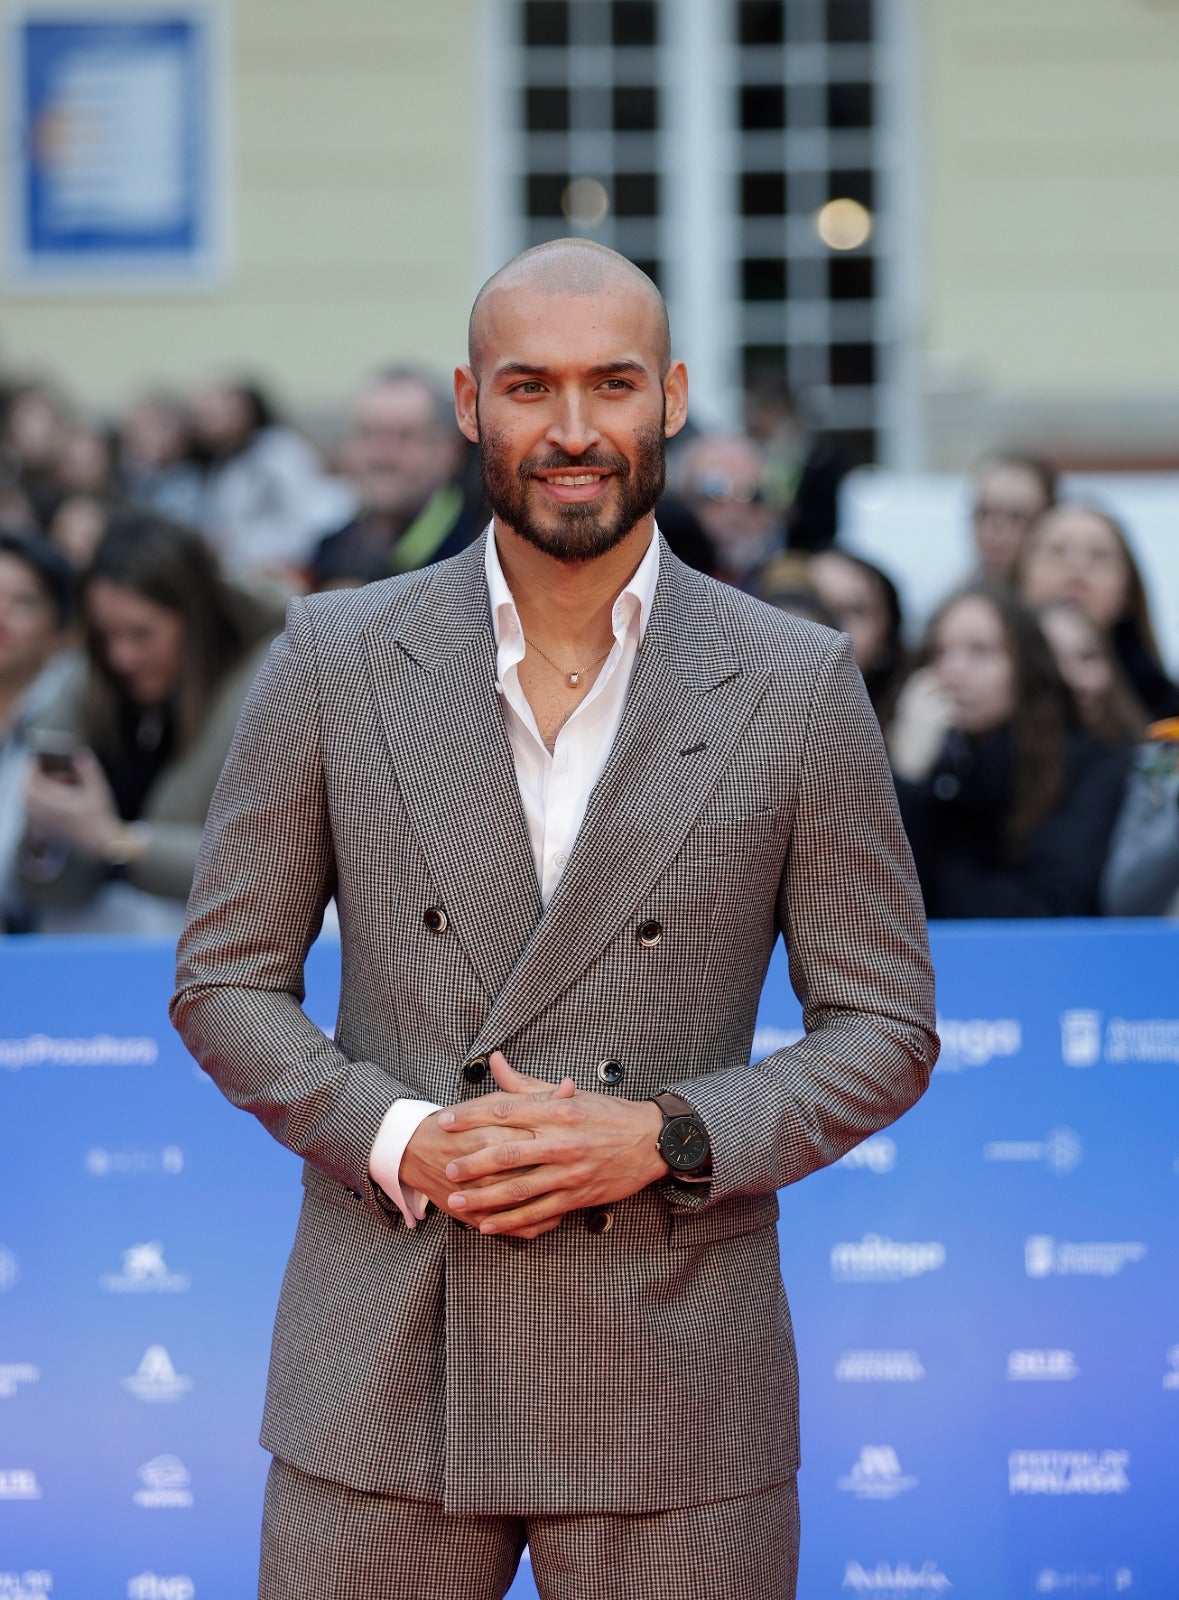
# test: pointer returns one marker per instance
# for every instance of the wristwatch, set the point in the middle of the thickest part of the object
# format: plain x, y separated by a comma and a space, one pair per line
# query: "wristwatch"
683, 1140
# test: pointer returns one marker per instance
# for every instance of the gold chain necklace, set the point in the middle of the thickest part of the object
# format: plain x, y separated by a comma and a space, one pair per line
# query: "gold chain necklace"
574, 677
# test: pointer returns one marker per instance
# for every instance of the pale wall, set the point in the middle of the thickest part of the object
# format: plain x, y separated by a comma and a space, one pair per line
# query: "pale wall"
1051, 202
354, 220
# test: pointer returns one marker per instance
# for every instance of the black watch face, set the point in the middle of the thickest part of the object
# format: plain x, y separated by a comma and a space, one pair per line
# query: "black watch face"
683, 1145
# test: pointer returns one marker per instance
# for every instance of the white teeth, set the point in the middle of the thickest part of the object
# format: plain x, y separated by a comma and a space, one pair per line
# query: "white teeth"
575, 483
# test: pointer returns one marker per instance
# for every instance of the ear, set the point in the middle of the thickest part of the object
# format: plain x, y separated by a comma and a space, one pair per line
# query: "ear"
466, 395
675, 390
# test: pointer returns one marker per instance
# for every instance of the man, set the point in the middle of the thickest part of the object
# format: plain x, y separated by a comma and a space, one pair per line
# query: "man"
405, 458
722, 484
567, 793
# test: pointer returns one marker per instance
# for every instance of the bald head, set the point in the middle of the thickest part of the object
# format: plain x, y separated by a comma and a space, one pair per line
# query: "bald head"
568, 267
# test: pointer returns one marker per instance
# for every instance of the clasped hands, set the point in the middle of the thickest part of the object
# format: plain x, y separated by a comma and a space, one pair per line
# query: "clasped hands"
516, 1161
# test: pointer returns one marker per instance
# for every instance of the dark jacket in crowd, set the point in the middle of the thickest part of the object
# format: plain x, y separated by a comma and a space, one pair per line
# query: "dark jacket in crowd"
956, 821
360, 552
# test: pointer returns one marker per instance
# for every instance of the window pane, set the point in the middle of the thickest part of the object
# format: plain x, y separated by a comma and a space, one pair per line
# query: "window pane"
763, 106
544, 193
853, 365
763, 278
546, 23
634, 22
763, 194
852, 185
546, 110
636, 110
851, 277
849, 105
636, 194
849, 21
761, 22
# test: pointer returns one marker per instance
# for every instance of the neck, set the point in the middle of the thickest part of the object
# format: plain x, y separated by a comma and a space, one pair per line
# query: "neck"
569, 604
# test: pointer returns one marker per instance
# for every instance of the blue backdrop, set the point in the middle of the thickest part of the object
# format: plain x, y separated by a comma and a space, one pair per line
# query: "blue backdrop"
986, 1297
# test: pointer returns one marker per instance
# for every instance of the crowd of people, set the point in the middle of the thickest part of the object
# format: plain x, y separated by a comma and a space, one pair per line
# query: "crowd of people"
1033, 730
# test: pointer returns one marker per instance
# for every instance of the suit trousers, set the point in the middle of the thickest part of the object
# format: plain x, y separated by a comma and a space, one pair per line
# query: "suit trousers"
325, 1541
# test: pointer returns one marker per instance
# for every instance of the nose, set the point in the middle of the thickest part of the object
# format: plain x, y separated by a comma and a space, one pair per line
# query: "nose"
571, 427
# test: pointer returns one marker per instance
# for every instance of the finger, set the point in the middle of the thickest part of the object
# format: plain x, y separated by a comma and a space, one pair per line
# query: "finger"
507, 1110
547, 1209
513, 1156
517, 1083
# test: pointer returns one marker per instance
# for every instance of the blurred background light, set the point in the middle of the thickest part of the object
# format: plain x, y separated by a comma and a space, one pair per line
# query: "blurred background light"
844, 224
585, 203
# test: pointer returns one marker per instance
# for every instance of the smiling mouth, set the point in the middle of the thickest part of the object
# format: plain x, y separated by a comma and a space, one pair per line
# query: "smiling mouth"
571, 480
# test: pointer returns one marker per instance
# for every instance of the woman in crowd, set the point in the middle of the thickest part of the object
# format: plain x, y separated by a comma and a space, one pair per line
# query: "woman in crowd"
1007, 806
171, 650
865, 604
1105, 703
1010, 491
36, 599
1079, 554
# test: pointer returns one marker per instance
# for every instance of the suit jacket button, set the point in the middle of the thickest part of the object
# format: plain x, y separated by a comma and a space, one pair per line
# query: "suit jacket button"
649, 933
475, 1071
610, 1071
599, 1221
436, 920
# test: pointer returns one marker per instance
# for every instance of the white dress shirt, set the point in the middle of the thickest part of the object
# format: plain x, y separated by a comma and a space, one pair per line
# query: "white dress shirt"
554, 789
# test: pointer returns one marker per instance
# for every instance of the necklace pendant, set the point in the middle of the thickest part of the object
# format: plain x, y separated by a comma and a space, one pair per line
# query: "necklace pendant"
573, 677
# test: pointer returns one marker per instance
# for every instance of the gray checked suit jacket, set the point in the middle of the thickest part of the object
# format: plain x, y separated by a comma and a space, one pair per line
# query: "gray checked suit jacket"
747, 797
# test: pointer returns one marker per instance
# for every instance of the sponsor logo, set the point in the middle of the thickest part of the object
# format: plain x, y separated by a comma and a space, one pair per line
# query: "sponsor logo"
1068, 1471
151, 1586
19, 1483
1171, 1376
1045, 1257
878, 1155
976, 1042
1087, 1038
9, 1269
876, 1475
12, 1376
885, 1579
879, 1366
1041, 1366
1080, 1038
1114, 1580
25, 1585
102, 1163
156, 1379
144, 1271
100, 1050
875, 1259
766, 1040
1060, 1150
165, 1485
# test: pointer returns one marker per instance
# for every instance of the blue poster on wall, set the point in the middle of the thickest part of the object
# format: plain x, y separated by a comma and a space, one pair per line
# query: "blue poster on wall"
115, 154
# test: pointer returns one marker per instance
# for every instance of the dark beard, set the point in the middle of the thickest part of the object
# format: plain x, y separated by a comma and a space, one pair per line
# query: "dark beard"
576, 532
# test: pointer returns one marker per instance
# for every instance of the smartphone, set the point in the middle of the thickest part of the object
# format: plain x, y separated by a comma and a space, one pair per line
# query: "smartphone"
56, 755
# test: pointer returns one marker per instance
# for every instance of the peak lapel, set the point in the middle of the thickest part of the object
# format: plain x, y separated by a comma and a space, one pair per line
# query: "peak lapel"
433, 676
688, 704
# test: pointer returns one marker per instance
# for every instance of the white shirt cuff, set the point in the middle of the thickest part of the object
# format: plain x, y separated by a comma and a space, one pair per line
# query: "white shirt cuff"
384, 1162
